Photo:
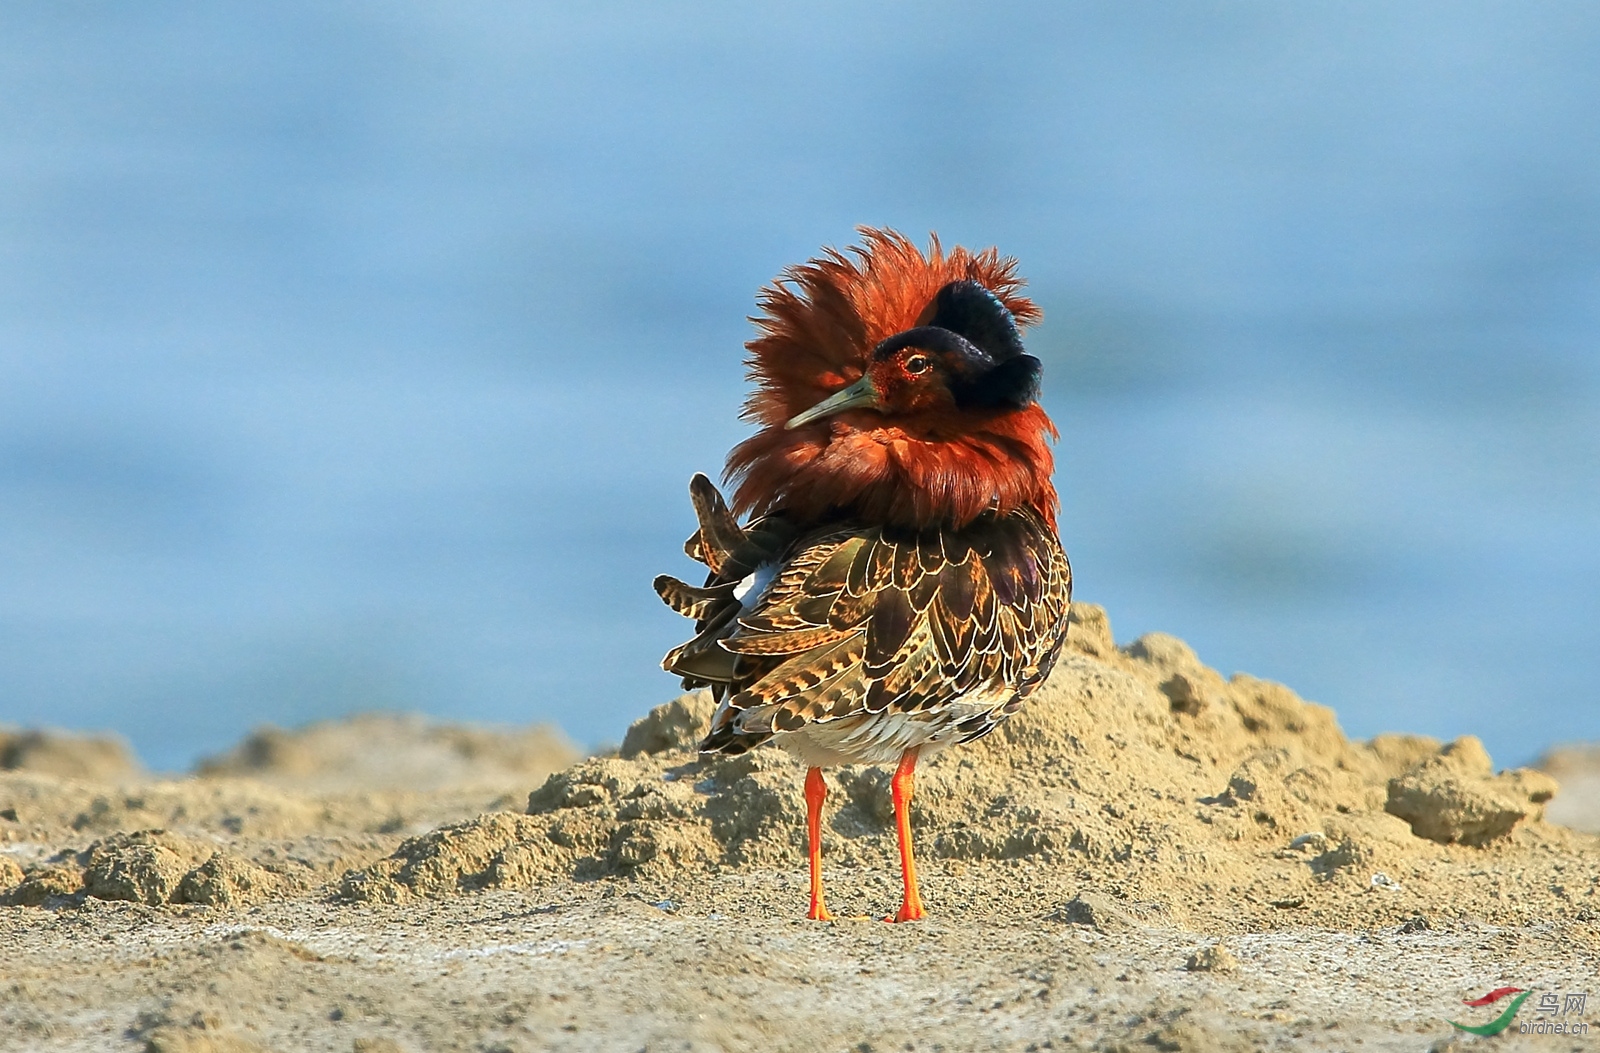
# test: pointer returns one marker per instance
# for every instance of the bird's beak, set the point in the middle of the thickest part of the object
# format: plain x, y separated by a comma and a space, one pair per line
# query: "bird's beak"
861, 393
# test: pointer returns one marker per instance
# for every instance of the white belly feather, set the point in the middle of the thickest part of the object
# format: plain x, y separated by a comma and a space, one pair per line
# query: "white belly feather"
882, 738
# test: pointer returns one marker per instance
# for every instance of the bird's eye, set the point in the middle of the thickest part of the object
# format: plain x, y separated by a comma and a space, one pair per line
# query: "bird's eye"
917, 364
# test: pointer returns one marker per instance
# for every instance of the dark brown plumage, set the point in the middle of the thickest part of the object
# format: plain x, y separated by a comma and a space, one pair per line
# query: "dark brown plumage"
902, 587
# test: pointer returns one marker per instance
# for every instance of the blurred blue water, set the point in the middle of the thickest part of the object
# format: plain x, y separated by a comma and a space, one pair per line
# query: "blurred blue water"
357, 355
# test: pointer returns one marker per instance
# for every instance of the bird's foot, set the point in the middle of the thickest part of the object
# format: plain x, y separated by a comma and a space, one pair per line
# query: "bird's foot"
908, 912
819, 912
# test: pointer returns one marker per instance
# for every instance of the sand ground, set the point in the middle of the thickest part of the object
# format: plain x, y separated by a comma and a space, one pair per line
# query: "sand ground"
576, 968
1151, 857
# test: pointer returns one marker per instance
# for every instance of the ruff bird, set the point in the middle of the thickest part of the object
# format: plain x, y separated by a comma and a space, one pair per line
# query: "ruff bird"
897, 585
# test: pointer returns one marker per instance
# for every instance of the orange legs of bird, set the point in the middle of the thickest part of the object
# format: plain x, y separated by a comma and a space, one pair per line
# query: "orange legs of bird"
902, 785
816, 792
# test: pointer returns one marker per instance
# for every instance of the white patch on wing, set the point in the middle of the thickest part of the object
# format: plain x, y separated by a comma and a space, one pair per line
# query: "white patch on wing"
755, 584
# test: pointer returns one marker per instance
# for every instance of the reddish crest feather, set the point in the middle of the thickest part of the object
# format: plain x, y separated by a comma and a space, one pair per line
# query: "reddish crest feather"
818, 326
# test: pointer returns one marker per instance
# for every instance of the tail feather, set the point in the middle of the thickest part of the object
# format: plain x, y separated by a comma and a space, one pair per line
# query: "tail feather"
692, 602
703, 658
720, 535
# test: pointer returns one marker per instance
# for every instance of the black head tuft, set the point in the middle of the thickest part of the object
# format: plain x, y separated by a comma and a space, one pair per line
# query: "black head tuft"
1013, 383
968, 309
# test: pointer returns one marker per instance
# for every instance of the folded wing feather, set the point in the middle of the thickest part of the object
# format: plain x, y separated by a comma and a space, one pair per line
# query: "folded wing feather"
862, 620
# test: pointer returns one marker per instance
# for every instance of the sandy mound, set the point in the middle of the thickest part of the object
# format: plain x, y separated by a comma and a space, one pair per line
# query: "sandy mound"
1137, 786
1577, 770
63, 753
390, 751
282, 815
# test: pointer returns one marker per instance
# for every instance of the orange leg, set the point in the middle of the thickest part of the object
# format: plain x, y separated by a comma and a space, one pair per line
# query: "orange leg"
816, 792
902, 785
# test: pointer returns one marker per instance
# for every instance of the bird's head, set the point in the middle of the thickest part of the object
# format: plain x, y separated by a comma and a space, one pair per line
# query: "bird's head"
966, 356
893, 387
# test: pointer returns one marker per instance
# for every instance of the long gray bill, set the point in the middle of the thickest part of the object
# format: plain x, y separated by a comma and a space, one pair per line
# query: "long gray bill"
859, 394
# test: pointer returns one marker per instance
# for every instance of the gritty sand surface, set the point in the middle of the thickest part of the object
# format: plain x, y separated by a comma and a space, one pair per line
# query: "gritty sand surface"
1150, 857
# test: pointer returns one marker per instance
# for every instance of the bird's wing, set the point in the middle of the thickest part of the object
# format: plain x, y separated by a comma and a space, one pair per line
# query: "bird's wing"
860, 621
